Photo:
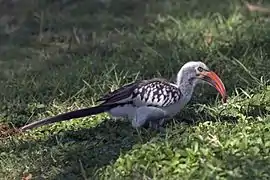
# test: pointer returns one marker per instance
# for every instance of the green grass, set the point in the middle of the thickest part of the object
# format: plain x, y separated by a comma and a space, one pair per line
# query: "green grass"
56, 57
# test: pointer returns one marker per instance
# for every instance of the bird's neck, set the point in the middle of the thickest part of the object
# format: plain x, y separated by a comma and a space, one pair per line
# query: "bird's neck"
184, 84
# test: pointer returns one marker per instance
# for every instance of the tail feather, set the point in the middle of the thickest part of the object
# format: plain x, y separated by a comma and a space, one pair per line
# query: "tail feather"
67, 116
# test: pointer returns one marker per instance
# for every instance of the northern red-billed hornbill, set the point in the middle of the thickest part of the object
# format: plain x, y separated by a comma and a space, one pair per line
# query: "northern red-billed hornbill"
148, 100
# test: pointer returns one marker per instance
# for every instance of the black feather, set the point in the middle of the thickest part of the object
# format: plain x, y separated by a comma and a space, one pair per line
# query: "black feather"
69, 115
119, 94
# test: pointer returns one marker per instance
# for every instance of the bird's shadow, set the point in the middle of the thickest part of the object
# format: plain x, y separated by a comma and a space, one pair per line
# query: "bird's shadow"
85, 148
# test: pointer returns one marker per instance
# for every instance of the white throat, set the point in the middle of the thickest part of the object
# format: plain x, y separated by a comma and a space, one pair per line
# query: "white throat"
184, 84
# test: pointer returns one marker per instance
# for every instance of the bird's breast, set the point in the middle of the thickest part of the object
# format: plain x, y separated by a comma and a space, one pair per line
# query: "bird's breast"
176, 107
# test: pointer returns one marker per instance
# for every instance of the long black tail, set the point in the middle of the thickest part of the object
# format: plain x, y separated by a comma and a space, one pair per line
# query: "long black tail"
67, 116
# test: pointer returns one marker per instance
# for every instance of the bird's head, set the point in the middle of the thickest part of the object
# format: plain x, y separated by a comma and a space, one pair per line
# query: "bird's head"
196, 72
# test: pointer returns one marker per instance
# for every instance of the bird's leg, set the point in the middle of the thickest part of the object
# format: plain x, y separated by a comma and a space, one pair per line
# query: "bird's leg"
148, 114
157, 125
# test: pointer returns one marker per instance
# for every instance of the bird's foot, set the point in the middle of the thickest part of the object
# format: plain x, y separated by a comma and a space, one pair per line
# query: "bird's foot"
157, 126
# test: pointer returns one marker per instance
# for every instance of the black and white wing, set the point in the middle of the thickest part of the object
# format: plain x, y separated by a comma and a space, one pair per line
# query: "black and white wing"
121, 95
154, 92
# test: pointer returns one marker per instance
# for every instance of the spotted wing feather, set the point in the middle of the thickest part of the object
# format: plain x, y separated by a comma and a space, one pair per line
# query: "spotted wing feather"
154, 92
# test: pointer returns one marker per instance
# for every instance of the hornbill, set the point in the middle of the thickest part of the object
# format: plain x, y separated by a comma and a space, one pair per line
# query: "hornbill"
147, 101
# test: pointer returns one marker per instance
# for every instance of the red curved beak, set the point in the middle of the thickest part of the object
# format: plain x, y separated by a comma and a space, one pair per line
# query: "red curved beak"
213, 79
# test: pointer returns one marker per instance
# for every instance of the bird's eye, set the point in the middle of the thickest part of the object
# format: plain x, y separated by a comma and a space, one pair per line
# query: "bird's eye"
200, 69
